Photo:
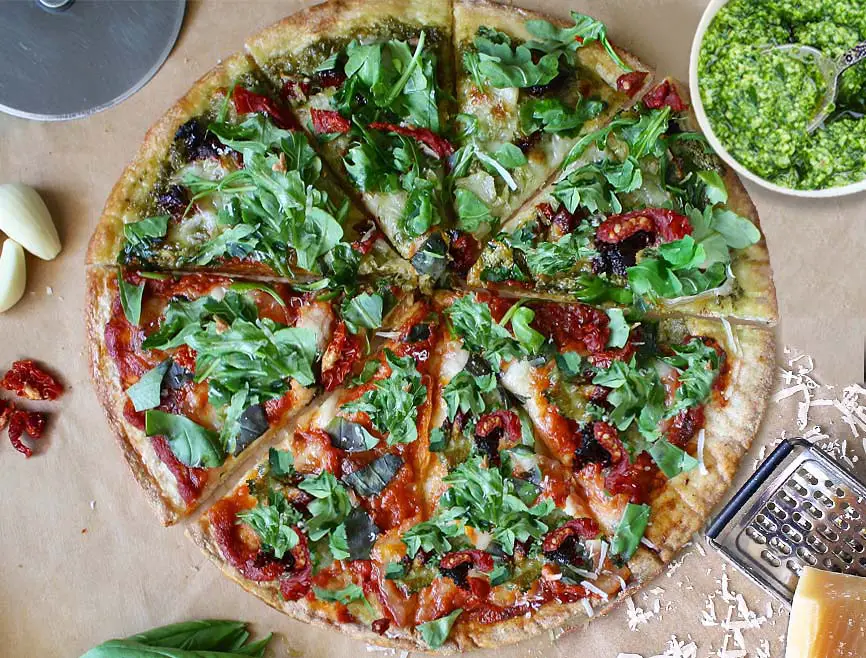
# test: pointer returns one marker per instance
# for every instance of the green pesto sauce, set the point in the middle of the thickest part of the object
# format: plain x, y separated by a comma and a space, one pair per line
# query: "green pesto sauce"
760, 103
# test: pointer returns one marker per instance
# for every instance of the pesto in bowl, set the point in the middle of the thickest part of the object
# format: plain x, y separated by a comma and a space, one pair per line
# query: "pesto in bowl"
759, 103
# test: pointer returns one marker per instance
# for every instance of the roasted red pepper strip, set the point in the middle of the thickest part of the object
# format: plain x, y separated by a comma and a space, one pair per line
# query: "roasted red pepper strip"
247, 101
28, 380
439, 145
664, 93
631, 83
329, 122
666, 224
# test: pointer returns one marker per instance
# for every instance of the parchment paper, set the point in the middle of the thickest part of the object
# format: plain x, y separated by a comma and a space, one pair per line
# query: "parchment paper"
83, 559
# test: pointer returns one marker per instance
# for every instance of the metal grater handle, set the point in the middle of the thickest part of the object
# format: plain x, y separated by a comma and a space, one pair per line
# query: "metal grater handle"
752, 485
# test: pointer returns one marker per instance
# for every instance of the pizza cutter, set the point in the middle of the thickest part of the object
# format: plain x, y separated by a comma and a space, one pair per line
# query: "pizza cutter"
65, 59
800, 508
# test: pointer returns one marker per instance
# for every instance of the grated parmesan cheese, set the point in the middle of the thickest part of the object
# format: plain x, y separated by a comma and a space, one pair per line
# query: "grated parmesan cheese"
701, 442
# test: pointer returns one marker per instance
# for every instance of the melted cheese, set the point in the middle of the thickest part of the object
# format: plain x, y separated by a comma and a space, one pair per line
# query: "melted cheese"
327, 410
828, 616
318, 318
453, 362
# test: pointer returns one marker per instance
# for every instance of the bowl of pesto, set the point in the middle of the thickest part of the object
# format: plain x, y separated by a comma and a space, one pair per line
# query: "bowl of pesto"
754, 103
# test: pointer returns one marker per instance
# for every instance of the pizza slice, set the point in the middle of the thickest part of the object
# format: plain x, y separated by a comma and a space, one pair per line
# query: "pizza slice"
370, 82
195, 369
527, 88
226, 180
314, 530
643, 215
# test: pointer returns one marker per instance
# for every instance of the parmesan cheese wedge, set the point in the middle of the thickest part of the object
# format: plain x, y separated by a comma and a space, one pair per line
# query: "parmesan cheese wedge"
828, 616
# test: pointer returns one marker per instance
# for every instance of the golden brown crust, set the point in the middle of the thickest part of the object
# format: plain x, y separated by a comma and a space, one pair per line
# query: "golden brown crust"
131, 191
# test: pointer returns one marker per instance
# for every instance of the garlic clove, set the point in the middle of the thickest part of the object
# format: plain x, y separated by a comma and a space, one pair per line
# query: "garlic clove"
25, 218
13, 274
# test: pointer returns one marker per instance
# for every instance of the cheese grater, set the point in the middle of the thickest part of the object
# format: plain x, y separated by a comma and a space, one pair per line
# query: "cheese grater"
799, 509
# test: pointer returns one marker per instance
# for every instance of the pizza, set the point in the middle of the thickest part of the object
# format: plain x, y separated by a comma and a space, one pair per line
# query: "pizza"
454, 299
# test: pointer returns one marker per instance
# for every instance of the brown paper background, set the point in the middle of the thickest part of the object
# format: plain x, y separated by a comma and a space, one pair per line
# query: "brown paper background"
83, 559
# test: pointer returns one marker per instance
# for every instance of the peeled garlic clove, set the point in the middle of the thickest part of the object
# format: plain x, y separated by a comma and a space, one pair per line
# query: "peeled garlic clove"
25, 219
13, 274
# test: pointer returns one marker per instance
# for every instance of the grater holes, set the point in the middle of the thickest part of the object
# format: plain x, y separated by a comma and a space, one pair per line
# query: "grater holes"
844, 555
824, 499
776, 511
780, 545
802, 521
770, 558
862, 561
842, 523
807, 556
812, 510
854, 545
792, 533
850, 511
755, 535
828, 533
794, 566
816, 544
839, 492
829, 565
786, 500
862, 533
766, 524
807, 476
798, 488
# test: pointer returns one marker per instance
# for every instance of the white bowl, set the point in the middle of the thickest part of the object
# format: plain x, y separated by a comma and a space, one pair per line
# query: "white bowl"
710, 13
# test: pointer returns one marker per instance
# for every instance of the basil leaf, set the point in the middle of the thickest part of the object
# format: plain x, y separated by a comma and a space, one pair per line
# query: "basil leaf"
281, 462
372, 479
472, 212
146, 229
619, 328
569, 363
529, 338
130, 299
145, 393
200, 635
351, 593
670, 459
363, 311
437, 631
370, 368
361, 534
191, 443
130, 649
349, 436
253, 422
510, 156
630, 530
274, 524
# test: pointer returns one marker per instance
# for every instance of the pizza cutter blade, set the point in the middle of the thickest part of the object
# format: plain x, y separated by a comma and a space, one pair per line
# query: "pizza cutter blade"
65, 59
800, 508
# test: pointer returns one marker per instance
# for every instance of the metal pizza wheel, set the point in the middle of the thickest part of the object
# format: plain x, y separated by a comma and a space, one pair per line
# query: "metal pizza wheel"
64, 59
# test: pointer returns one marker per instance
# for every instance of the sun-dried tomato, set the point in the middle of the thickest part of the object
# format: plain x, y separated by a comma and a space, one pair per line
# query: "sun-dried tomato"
607, 357
20, 422
295, 90
329, 78
573, 326
506, 422
379, 626
631, 83
368, 238
247, 101
580, 528
439, 145
666, 224
664, 93
340, 356
607, 437
296, 585
479, 559
463, 250
185, 357
685, 425
6, 410
633, 479
329, 122
28, 380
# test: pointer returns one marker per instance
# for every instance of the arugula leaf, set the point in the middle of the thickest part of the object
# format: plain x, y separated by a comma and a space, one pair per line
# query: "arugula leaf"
130, 298
587, 187
584, 31
145, 393
466, 392
644, 136
494, 61
372, 479
472, 321
274, 524
530, 339
670, 459
637, 397
715, 188
698, 366
569, 363
619, 328
437, 631
392, 404
630, 530
510, 156
551, 115
146, 230
472, 212
550, 258
191, 443
281, 462
362, 311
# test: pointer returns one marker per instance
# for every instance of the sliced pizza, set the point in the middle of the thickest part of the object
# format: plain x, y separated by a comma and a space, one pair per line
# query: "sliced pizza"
370, 81
227, 180
315, 529
194, 369
643, 215
527, 89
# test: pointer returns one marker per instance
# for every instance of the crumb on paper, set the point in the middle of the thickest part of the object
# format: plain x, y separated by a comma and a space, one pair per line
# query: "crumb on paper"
49, 290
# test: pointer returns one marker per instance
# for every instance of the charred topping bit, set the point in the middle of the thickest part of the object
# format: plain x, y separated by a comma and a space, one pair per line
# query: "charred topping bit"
27, 380
631, 83
564, 545
173, 201
197, 142
329, 78
590, 451
617, 258
526, 144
